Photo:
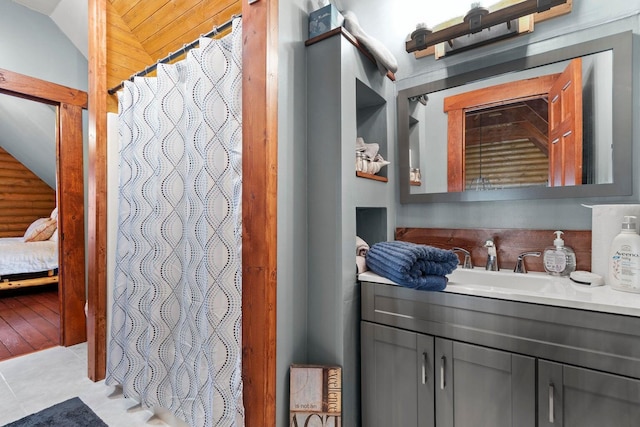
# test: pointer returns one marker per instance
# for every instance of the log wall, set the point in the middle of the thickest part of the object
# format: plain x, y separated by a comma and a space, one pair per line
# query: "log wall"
23, 197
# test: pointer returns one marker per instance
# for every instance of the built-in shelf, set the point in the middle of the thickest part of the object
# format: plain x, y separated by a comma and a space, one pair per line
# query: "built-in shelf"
346, 100
346, 34
371, 123
371, 224
372, 176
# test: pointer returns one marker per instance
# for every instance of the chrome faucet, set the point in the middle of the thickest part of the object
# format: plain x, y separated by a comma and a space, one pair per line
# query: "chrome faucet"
492, 255
520, 267
467, 257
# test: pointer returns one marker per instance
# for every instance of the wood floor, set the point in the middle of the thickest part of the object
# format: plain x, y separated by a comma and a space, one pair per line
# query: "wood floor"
29, 320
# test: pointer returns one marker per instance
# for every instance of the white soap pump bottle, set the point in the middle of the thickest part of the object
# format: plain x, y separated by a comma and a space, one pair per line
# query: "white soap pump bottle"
624, 259
559, 260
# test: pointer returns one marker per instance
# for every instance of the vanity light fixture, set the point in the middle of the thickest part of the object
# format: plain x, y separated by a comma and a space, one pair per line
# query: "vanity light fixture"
474, 17
477, 20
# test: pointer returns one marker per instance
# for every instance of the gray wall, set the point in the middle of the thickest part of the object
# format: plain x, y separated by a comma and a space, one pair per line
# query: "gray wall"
292, 200
33, 45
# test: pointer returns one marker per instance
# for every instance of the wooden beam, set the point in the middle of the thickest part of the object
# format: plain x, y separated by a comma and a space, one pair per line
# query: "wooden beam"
500, 94
71, 225
40, 90
259, 209
97, 247
538, 138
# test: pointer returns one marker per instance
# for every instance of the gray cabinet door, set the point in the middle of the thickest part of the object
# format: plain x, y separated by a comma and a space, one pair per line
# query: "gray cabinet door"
577, 397
397, 377
482, 387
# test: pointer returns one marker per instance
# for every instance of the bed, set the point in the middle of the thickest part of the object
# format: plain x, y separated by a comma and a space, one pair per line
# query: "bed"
31, 260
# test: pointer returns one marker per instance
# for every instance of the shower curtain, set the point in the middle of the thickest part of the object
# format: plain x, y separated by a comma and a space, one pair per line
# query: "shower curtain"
176, 319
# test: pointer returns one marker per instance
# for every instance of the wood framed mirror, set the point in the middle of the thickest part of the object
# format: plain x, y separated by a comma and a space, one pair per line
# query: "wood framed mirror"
425, 129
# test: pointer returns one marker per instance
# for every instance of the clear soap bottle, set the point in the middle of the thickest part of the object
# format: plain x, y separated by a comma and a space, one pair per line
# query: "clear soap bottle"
559, 260
624, 259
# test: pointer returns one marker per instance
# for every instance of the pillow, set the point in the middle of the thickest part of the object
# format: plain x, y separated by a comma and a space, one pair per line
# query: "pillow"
54, 213
40, 229
54, 236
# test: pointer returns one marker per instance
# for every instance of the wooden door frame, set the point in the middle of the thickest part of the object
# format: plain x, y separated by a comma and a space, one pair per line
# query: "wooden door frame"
455, 107
70, 193
259, 200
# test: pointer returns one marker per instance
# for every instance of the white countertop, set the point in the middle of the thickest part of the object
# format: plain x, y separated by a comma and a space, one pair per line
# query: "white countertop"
556, 291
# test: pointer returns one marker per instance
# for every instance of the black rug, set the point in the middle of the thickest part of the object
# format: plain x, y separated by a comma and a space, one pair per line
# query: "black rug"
70, 413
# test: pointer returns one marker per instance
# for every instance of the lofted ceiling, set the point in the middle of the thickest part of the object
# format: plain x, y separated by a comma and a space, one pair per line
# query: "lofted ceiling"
140, 32
46, 7
71, 16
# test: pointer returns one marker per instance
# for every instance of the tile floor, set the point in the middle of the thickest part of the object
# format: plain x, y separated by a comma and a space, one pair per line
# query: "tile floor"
38, 380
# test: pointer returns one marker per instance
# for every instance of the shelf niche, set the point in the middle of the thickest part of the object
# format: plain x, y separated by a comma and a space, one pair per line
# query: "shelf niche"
371, 224
371, 123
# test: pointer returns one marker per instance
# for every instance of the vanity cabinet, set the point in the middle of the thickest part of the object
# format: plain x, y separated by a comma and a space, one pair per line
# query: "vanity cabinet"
569, 396
478, 386
406, 376
397, 377
445, 359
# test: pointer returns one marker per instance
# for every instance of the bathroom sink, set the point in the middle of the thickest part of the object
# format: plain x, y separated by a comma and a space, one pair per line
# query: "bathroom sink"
532, 287
501, 281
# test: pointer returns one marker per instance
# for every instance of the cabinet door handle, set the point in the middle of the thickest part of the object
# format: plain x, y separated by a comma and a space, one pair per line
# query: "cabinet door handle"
551, 411
443, 361
424, 368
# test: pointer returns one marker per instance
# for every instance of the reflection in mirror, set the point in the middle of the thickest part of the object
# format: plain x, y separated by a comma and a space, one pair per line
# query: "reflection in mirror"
506, 146
531, 129
518, 133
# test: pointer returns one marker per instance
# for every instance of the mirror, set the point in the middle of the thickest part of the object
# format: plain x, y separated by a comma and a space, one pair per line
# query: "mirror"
485, 134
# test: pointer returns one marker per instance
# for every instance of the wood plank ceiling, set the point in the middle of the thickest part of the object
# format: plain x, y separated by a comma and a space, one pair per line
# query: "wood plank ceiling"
140, 32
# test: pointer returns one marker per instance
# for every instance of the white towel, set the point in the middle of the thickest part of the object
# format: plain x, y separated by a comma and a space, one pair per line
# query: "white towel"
384, 58
361, 264
361, 247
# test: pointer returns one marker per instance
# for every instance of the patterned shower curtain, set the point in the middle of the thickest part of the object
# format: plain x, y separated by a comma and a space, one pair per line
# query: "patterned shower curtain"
176, 324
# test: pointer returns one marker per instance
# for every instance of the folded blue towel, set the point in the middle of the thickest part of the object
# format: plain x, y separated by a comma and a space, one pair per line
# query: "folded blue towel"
412, 265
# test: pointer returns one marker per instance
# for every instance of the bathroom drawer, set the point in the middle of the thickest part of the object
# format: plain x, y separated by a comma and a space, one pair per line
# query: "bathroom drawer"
601, 341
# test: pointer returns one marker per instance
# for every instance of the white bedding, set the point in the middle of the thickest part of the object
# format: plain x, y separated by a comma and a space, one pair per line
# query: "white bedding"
18, 257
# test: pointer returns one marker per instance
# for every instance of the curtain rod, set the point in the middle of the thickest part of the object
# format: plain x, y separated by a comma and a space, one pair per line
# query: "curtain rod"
187, 47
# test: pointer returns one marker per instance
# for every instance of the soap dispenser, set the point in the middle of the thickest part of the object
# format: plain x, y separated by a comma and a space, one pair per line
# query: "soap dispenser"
559, 260
624, 259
